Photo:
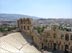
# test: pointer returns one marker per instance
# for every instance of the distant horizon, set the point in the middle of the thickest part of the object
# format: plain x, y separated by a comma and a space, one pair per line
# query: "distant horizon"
36, 16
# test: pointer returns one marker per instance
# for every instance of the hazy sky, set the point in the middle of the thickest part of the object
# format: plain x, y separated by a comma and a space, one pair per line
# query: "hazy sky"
39, 8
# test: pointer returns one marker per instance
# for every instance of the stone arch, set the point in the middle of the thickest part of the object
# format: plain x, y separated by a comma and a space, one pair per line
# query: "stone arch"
71, 48
71, 37
54, 47
67, 37
66, 49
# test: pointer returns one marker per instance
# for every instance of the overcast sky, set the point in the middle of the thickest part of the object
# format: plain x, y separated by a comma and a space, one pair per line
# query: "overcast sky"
39, 8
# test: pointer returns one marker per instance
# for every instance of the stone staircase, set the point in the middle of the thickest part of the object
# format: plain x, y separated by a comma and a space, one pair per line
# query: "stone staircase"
16, 43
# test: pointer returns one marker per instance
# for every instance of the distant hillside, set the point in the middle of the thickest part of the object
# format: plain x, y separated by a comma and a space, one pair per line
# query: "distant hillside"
14, 16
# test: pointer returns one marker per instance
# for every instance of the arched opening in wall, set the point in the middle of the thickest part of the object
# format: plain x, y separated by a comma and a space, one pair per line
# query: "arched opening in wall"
20, 21
58, 46
71, 49
54, 47
67, 37
42, 45
66, 49
24, 28
28, 27
28, 20
62, 47
45, 48
71, 37
51, 45
32, 39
